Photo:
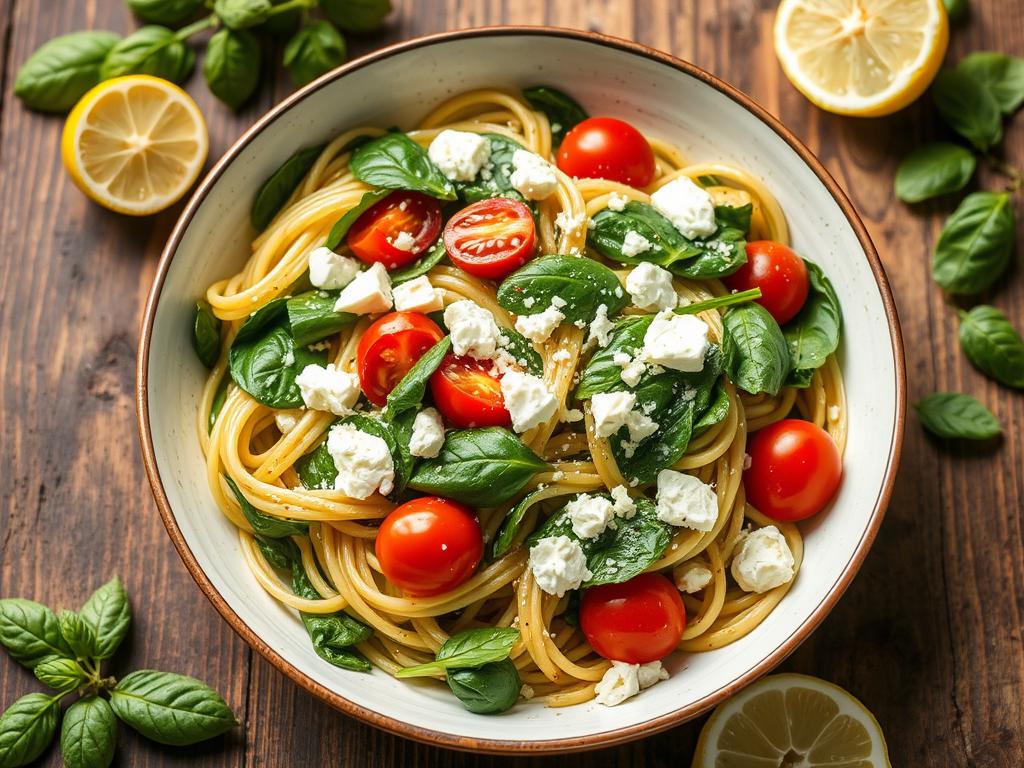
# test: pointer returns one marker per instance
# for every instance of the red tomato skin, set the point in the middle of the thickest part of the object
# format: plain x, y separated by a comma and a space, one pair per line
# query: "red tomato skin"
794, 472
478, 402
607, 148
429, 545
368, 237
779, 273
638, 621
472, 237
389, 348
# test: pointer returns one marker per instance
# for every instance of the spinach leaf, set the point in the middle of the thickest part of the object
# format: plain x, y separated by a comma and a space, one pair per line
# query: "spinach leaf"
27, 727
932, 170
315, 49
280, 553
61, 674
601, 373
357, 15
169, 708
522, 351
344, 224
479, 467
150, 50
470, 648
957, 417
232, 66
628, 549
332, 634
968, 108
169, 12
30, 632
756, 356
976, 243
263, 524
582, 283
716, 412
1001, 75
486, 690
993, 345
206, 334
395, 161
513, 519
495, 178
239, 14
409, 392
109, 614
218, 402
316, 469
421, 266
61, 70
276, 190
312, 317
813, 334
88, 734
562, 111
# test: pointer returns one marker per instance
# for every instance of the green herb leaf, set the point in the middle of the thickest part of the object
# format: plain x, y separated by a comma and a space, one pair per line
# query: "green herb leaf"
976, 243
281, 24
582, 283
601, 373
1001, 75
957, 9
280, 553
316, 470
30, 632
968, 107
386, 431
757, 359
167, 12
263, 524
395, 161
562, 111
239, 14
332, 635
357, 15
206, 334
495, 178
150, 50
61, 70
312, 317
421, 266
218, 402
716, 412
521, 350
26, 729
59, 673
813, 334
470, 648
232, 66
957, 417
109, 614
409, 392
80, 637
344, 224
88, 734
316, 48
169, 708
933, 170
993, 345
486, 690
280, 185
513, 519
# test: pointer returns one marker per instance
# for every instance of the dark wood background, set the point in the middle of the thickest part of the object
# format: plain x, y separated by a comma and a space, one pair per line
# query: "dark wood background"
928, 636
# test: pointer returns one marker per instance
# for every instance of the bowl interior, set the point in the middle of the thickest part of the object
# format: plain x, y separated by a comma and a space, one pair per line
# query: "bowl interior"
398, 88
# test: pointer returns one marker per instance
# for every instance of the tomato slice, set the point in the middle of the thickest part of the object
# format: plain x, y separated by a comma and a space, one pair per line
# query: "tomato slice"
468, 394
491, 238
779, 273
396, 230
389, 348
607, 148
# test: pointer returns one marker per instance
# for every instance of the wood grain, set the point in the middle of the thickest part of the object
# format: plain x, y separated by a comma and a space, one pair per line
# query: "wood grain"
928, 636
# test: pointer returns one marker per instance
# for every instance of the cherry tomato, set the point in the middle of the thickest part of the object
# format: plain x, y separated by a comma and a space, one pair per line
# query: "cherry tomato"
606, 148
382, 231
638, 621
429, 545
779, 273
491, 238
794, 469
467, 394
389, 348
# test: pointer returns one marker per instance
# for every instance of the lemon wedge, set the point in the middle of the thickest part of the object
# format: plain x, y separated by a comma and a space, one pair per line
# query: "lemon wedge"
135, 144
791, 720
861, 57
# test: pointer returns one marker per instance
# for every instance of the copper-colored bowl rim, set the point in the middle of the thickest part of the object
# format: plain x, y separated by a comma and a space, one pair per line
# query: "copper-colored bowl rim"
592, 741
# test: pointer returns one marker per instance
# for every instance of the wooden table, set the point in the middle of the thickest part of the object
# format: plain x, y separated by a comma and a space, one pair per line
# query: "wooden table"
928, 636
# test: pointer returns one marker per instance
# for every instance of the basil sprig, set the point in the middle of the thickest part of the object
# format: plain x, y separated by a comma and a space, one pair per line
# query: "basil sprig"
471, 648
316, 48
993, 345
232, 66
168, 12
976, 243
954, 416
1001, 75
582, 284
59, 73
395, 161
814, 333
562, 111
88, 735
934, 169
969, 110
151, 50
756, 354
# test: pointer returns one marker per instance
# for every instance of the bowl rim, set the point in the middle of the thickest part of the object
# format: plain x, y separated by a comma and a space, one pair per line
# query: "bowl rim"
498, 746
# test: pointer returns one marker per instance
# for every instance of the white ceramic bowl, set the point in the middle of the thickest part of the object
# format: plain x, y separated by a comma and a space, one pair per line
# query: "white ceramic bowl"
663, 96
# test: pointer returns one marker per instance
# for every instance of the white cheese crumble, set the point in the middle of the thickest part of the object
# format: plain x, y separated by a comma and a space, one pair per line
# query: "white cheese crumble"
614, 410
676, 341
328, 389
693, 577
561, 356
539, 327
286, 421
572, 415
632, 368
558, 564
568, 223
623, 681
683, 500
329, 270
650, 288
688, 206
617, 202
633, 244
404, 241
763, 560
600, 327
624, 505
589, 515
363, 462
528, 399
417, 295
459, 154
427, 434
472, 329
368, 293
533, 176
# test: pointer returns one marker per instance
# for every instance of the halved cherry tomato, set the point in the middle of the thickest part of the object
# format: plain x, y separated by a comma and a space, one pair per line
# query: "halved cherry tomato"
794, 471
638, 621
779, 273
396, 230
606, 148
491, 238
429, 545
389, 348
467, 394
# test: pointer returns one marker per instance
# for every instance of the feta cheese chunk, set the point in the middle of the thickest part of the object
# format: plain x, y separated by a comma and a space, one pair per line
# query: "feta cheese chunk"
539, 327
685, 501
624, 505
427, 434
619, 683
617, 202
589, 515
286, 421
368, 293
763, 560
676, 341
689, 207
614, 410
328, 389
532, 175
404, 241
417, 295
558, 564
693, 577
459, 154
472, 329
632, 368
650, 673
528, 399
650, 288
601, 327
568, 223
329, 270
633, 244
363, 462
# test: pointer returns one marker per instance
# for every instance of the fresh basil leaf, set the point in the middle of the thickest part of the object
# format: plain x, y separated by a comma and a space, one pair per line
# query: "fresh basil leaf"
486, 690
956, 9
708, 180
232, 66
495, 178
312, 317
280, 553
263, 524
61, 70
271, 314
409, 392
88, 734
628, 549
78, 634
315, 49
332, 635
582, 283
562, 111
344, 224
421, 266
206, 334
239, 14
316, 470
30, 632
109, 614
276, 190
993, 345
601, 373
716, 412
521, 350
470, 648
151, 50
357, 15
513, 519
976, 243
395, 161
732, 217
757, 359
60, 673
169, 708
813, 334
968, 108
1001, 75
27, 727
932, 170
957, 417
167, 12
218, 402
281, 24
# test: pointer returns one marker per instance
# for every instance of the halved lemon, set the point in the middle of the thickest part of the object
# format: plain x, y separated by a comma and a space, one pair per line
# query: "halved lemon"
791, 720
861, 57
135, 144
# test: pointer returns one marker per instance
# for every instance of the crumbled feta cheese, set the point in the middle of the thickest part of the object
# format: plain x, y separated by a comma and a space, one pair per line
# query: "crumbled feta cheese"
529, 301
650, 673
459, 154
328, 389
589, 515
619, 683
526, 692
404, 241
558, 564
558, 302
689, 207
650, 287
601, 327
617, 202
418, 295
624, 505
632, 368
568, 223
693, 577
614, 410
472, 329
286, 421
368, 293
528, 400
683, 500
539, 327
572, 415
763, 560
533, 176
833, 413
329, 270
363, 462
676, 341
427, 434
561, 356
633, 244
